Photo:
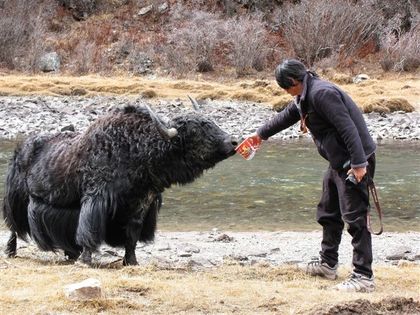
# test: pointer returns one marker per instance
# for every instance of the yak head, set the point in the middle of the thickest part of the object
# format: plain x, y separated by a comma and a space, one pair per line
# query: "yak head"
200, 141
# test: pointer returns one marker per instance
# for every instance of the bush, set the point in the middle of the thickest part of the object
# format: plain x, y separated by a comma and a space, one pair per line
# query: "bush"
248, 41
316, 29
400, 51
206, 38
80, 9
22, 33
191, 47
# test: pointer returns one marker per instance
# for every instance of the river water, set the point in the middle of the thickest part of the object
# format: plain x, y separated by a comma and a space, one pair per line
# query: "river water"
279, 190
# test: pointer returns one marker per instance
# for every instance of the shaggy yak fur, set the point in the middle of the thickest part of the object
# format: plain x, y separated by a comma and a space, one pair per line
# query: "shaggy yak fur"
74, 191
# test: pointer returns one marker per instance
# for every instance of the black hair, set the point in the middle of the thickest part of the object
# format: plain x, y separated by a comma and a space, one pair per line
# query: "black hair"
288, 70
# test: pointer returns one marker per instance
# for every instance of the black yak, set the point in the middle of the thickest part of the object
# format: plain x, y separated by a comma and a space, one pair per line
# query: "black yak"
74, 191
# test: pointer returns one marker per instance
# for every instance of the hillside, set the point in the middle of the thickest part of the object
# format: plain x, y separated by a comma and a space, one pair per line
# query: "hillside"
223, 38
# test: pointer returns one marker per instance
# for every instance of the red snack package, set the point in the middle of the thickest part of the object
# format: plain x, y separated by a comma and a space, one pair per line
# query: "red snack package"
248, 147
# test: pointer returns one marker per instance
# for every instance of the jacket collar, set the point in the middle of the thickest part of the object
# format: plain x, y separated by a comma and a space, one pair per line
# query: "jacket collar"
300, 99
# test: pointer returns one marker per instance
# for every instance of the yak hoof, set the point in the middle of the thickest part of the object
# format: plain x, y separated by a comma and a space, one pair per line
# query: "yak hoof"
131, 261
11, 246
71, 256
10, 253
86, 257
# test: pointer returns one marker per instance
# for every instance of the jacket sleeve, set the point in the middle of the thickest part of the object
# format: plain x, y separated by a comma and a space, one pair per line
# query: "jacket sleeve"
329, 104
286, 118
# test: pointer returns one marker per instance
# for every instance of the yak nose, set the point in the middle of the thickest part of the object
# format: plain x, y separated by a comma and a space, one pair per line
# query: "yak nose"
234, 141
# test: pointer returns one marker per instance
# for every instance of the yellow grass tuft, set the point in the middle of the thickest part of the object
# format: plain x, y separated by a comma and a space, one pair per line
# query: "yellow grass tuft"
280, 103
388, 105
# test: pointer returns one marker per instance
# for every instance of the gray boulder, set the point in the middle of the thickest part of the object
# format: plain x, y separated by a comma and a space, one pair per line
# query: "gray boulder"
49, 62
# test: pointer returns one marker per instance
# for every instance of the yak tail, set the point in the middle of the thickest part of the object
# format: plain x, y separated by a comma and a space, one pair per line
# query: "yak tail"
16, 198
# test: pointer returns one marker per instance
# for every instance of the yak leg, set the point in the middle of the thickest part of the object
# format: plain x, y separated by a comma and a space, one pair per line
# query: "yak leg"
86, 256
141, 227
91, 226
133, 231
11, 245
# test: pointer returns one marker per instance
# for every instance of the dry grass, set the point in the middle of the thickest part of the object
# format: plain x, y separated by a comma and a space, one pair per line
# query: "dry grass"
36, 287
373, 91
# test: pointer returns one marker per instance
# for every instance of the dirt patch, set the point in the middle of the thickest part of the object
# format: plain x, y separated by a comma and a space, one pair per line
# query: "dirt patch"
388, 306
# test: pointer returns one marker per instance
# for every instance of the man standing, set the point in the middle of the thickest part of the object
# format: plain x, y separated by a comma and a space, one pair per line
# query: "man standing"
341, 136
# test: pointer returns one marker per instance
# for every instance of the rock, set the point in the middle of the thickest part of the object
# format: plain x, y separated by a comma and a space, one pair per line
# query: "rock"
188, 248
200, 263
141, 63
88, 289
163, 247
360, 78
145, 10
258, 254
399, 253
184, 254
223, 238
68, 128
49, 62
163, 7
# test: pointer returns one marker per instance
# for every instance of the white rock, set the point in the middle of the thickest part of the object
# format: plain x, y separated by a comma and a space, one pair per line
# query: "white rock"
360, 78
88, 289
145, 10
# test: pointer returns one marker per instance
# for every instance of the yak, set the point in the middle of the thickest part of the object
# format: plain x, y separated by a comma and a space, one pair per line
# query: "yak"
74, 191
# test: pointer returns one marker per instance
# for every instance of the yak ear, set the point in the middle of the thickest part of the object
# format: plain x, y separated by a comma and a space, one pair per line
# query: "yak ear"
194, 103
167, 133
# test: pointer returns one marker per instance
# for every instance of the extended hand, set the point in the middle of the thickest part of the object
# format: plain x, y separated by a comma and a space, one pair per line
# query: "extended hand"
256, 140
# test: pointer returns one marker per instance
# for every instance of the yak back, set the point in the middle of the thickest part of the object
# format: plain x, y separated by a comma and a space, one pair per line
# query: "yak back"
126, 148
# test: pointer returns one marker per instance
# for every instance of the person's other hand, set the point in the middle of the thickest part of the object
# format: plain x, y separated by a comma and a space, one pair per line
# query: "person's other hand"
358, 173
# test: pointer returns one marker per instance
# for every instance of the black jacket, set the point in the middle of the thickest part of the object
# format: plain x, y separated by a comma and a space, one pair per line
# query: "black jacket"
334, 120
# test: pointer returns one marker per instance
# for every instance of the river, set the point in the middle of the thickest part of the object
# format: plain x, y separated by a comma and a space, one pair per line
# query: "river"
279, 190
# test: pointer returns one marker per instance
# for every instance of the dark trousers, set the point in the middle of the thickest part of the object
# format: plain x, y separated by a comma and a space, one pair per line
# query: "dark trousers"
343, 202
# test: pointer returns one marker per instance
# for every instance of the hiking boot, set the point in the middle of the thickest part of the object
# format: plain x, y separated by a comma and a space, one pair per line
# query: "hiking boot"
319, 268
357, 283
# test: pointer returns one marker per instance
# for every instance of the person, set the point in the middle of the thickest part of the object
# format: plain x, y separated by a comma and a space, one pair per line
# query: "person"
341, 136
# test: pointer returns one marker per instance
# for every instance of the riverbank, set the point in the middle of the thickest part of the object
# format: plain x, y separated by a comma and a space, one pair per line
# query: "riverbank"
20, 116
206, 249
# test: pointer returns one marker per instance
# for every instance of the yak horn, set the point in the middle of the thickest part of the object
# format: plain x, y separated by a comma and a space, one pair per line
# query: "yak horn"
194, 103
167, 133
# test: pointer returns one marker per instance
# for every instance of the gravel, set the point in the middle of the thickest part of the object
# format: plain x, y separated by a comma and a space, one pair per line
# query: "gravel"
206, 249
20, 116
